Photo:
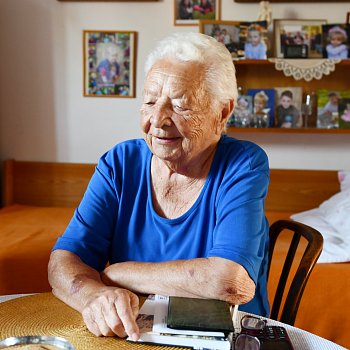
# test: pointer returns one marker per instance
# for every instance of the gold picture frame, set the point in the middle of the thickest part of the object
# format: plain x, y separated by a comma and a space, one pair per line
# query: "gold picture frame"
109, 63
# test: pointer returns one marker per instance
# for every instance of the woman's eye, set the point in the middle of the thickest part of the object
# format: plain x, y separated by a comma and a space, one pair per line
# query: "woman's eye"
179, 108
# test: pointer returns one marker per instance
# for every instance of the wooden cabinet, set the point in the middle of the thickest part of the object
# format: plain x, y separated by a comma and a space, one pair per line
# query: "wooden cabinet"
262, 74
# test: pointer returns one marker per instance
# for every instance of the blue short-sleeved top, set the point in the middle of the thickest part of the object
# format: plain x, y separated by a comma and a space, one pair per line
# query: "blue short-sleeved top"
116, 220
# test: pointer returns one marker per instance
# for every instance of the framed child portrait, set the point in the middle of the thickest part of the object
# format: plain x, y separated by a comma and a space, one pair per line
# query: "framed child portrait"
254, 40
344, 113
336, 40
328, 102
288, 107
295, 38
226, 32
109, 63
263, 107
242, 115
190, 12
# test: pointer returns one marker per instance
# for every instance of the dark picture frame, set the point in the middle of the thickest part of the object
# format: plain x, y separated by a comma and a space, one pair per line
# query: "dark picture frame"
192, 14
109, 63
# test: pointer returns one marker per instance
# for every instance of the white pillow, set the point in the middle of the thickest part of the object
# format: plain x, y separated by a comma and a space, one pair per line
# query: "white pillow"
336, 211
332, 219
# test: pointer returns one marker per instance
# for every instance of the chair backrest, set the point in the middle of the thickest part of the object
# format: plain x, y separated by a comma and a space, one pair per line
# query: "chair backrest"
312, 251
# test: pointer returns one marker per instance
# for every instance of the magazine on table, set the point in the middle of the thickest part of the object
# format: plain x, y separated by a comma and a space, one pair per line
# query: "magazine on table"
153, 323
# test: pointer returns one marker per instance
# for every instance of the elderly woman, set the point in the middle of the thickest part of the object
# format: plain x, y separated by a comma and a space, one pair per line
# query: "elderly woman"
179, 213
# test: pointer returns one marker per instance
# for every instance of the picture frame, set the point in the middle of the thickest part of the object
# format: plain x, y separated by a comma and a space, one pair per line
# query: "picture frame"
344, 113
290, 1
234, 35
293, 34
109, 63
227, 32
328, 101
254, 40
336, 40
288, 112
190, 12
263, 106
109, 0
242, 115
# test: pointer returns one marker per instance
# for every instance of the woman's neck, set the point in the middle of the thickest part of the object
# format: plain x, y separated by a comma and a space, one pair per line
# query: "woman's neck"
197, 167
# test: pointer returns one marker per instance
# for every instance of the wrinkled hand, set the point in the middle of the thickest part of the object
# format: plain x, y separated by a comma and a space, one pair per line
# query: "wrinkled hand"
112, 311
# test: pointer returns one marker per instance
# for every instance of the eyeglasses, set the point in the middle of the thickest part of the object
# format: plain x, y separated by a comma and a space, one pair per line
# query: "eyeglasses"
247, 339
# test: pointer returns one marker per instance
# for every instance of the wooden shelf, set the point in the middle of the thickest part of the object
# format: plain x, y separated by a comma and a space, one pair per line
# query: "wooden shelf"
288, 130
260, 62
263, 75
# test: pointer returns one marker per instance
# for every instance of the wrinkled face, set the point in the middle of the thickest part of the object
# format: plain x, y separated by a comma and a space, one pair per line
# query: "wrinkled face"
176, 115
286, 101
254, 37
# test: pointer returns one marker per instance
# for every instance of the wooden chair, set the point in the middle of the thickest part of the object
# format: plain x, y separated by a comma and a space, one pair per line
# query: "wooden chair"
298, 281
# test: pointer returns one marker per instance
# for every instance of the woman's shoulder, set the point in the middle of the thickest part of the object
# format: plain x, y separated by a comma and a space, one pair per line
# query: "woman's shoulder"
133, 145
127, 153
239, 151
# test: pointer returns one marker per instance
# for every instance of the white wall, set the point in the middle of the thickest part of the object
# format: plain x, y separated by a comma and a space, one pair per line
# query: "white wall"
44, 116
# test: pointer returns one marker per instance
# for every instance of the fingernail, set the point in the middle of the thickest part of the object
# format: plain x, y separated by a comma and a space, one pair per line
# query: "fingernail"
135, 336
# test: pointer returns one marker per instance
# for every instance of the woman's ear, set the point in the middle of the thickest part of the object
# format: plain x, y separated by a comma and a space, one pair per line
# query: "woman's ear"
225, 113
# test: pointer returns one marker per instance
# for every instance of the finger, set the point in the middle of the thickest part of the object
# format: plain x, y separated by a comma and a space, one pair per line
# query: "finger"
112, 319
126, 307
100, 319
90, 323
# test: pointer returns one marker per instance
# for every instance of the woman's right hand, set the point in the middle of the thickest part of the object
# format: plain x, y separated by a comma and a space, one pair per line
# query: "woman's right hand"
112, 311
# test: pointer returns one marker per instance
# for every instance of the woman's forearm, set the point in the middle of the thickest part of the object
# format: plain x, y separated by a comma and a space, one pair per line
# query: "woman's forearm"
214, 278
71, 280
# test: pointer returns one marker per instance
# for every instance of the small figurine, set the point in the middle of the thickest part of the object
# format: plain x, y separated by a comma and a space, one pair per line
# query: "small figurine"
265, 13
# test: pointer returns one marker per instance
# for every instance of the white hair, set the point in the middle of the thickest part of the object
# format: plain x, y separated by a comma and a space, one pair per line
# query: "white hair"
220, 73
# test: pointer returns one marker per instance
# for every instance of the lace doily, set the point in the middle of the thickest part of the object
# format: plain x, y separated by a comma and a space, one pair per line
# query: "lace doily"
306, 69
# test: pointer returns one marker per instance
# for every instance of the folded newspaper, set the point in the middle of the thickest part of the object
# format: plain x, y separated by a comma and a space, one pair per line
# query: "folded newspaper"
152, 321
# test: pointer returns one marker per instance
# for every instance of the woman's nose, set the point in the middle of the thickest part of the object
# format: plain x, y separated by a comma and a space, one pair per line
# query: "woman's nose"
161, 116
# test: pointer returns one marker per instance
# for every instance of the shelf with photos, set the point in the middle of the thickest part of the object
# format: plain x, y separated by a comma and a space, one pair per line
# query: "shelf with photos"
322, 105
302, 63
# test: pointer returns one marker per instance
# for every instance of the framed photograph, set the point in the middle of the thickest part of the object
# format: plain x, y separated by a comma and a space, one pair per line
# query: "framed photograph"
190, 12
109, 63
296, 38
242, 115
336, 40
108, 0
288, 109
254, 41
226, 32
263, 107
291, 1
328, 102
344, 113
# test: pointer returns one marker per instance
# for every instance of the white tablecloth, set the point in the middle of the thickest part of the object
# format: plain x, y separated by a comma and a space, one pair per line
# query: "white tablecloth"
301, 340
